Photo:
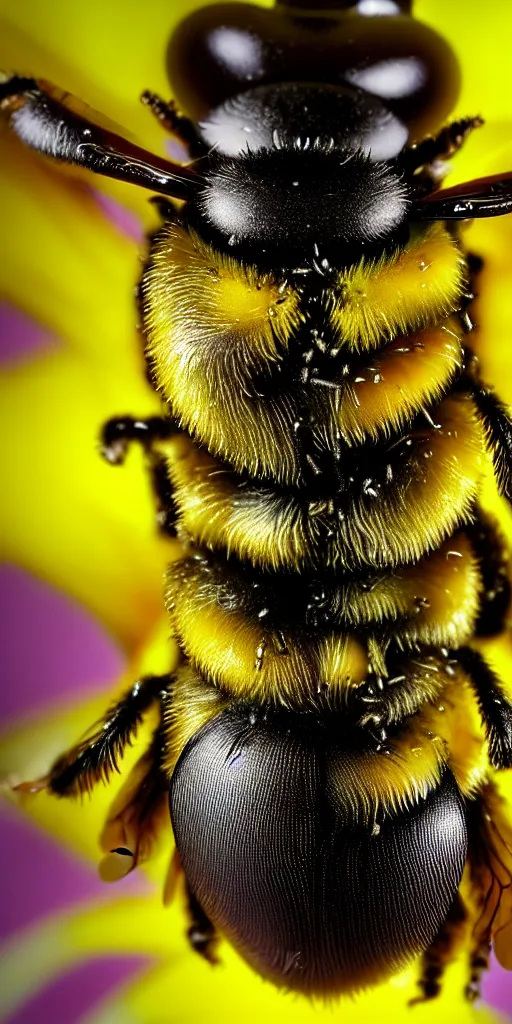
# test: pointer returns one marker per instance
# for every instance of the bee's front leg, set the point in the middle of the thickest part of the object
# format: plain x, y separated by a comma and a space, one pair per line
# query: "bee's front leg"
436, 149
120, 432
441, 952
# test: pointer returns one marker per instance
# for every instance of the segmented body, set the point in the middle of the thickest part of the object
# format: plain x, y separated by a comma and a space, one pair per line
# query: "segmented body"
326, 437
325, 489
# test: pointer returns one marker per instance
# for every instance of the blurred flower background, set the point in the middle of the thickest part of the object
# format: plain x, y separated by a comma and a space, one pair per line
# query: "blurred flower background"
81, 587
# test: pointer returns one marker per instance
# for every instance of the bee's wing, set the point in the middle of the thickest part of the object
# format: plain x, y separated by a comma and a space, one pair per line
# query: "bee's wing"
492, 870
501, 900
503, 932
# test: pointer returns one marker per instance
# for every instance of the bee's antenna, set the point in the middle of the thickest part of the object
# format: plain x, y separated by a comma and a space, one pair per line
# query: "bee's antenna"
51, 122
483, 197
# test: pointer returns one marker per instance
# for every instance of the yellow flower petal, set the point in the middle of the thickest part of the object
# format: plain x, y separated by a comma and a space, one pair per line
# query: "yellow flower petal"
106, 54
479, 35
65, 265
474, 31
191, 992
70, 517
493, 311
186, 988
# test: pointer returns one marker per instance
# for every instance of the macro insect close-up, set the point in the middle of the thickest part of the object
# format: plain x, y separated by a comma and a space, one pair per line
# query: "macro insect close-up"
305, 388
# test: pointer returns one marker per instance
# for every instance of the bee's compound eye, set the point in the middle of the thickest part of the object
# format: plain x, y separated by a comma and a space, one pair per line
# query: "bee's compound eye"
367, 7
312, 899
221, 50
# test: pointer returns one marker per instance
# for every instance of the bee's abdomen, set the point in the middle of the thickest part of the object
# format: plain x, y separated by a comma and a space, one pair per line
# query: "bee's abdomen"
325, 480
318, 890
326, 442
392, 504
324, 430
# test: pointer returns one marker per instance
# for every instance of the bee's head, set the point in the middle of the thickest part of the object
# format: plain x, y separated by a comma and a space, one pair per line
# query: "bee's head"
295, 169
289, 206
370, 44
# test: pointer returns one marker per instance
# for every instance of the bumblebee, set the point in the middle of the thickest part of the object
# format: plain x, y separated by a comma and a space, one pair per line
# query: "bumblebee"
330, 745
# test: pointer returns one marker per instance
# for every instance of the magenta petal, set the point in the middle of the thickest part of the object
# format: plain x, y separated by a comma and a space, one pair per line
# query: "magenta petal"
39, 877
74, 994
51, 647
126, 222
497, 989
21, 337
176, 150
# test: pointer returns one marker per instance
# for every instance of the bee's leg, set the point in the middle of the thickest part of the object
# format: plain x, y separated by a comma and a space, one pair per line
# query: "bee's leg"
138, 815
441, 952
498, 424
493, 703
121, 431
95, 758
201, 933
436, 149
173, 121
174, 872
482, 885
491, 551
496, 418
478, 964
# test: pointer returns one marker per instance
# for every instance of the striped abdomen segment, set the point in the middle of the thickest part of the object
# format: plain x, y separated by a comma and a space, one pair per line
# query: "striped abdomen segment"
329, 462
328, 469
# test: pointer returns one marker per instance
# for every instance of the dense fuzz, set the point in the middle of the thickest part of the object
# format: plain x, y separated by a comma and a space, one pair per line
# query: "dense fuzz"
326, 487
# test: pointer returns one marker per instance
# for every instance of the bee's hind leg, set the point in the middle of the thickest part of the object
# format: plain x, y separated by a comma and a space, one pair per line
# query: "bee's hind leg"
490, 548
441, 952
201, 933
138, 815
96, 757
494, 705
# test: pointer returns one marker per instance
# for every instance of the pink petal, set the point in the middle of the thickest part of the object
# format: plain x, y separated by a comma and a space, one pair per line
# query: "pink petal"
21, 337
126, 222
66, 1000
39, 877
497, 989
51, 647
